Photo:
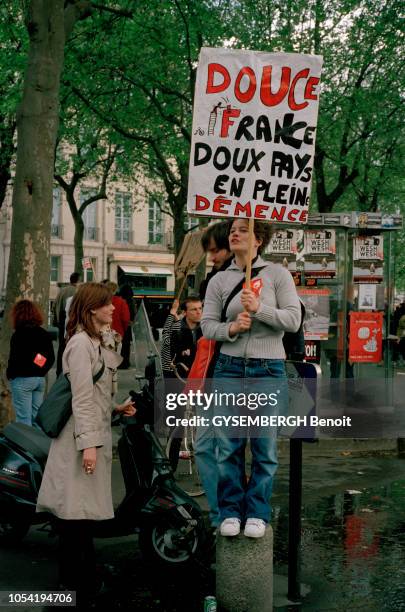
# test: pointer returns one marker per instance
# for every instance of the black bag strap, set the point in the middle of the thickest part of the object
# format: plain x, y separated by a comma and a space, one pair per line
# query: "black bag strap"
99, 374
235, 290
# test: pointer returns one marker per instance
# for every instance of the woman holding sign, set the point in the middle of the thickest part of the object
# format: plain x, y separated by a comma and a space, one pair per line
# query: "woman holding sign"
250, 364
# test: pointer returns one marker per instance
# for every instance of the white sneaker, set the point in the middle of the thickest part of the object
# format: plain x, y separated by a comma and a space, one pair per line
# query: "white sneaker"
255, 528
230, 527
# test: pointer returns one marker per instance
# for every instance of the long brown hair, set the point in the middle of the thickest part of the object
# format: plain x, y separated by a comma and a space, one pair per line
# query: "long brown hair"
26, 314
88, 297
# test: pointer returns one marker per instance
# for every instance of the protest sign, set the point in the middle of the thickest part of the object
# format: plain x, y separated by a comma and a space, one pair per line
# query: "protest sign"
87, 263
253, 135
365, 337
191, 253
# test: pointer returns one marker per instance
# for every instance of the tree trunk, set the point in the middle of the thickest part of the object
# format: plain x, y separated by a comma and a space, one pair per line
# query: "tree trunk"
78, 242
37, 125
178, 231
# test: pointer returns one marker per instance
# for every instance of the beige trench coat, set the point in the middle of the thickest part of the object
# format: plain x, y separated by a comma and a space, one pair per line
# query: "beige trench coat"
66, 490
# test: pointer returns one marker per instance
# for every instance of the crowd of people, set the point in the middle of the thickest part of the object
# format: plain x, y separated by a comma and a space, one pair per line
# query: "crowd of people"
94, 324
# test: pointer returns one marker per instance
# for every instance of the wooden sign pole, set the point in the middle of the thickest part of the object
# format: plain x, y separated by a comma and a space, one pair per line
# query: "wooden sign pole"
182, 284
249, 254
186, 273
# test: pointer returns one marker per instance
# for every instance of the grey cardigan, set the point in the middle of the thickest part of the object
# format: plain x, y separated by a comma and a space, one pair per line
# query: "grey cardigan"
279, 311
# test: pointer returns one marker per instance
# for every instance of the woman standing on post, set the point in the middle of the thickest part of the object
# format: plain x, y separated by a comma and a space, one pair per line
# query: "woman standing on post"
252, 354
76, 486
31, 357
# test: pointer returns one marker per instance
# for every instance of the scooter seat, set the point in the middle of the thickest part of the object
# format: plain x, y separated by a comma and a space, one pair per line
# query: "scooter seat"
29, 438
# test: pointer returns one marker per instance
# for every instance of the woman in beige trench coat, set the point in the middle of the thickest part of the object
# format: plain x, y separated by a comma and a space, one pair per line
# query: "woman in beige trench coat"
76, 486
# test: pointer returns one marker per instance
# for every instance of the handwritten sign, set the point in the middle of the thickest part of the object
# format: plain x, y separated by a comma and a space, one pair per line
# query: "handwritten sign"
253, 137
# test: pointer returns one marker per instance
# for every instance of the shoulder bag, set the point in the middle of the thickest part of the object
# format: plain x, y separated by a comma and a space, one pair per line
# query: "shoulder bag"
56, 409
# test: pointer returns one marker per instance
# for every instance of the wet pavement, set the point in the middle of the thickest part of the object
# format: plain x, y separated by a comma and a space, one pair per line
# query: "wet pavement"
353, 544
353, 533
353, 540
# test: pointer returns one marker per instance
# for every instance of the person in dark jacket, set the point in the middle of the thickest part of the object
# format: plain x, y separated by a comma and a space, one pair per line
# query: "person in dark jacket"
179, 346
180, 336
216, 244
60, 315
125, 292
31, 357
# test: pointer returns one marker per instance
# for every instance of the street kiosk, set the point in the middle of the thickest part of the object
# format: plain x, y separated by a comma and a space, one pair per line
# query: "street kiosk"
344, 269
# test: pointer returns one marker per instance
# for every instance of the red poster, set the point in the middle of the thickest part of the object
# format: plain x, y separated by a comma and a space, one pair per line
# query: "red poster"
365, 339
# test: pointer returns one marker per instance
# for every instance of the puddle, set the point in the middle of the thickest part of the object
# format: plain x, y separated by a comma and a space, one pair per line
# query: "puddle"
353, 549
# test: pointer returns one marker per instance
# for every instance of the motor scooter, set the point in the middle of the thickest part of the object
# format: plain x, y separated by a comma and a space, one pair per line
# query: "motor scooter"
170, 523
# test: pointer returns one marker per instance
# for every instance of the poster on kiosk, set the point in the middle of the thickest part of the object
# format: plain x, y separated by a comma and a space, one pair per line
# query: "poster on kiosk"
253, 135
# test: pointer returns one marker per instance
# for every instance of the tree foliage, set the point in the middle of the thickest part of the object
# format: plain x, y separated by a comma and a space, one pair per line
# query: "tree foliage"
361, 115
13, 46
144, 85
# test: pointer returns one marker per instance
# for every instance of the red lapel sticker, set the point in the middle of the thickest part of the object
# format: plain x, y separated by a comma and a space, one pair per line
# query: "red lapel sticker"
40, 360
256, 286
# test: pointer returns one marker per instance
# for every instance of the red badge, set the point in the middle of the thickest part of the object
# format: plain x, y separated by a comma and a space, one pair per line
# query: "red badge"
40, 360
256, 286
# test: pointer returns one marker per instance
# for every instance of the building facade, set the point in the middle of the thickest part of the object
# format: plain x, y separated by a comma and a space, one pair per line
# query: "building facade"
127, 238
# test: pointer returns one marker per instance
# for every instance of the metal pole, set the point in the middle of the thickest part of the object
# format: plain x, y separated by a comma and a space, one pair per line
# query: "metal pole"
294, 519
388, 367
346, 271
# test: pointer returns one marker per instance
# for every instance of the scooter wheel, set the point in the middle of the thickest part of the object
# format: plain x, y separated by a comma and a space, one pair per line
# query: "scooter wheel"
164, 544
12, 532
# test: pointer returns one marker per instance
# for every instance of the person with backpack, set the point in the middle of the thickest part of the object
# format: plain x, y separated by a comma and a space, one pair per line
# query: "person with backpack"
251, 353
31, 358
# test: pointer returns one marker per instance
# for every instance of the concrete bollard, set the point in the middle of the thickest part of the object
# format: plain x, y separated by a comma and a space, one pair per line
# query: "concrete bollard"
244, 581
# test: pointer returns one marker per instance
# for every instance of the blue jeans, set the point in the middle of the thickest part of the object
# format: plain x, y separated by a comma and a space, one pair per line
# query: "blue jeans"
27, 394
206, 458
236, 498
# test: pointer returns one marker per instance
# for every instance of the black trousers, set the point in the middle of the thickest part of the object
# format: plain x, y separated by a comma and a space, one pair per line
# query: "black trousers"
126, 347
77, 561
61, 348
